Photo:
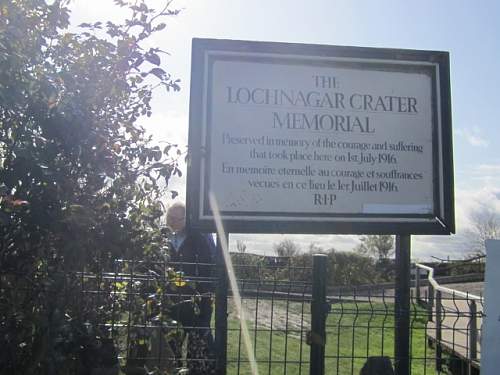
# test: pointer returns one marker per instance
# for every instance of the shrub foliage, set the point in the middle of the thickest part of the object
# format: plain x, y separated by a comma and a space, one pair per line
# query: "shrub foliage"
80, 183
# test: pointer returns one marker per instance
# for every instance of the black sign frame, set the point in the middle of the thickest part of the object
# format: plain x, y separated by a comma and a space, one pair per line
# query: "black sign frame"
441, 221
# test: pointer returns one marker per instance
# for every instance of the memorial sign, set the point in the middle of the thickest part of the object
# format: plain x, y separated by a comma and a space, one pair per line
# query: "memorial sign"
320, 139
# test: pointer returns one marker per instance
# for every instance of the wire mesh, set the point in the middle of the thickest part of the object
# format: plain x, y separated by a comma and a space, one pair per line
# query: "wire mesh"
140, 315
276, 297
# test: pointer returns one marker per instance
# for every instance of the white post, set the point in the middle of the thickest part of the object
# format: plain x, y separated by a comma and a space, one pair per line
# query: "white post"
490, 345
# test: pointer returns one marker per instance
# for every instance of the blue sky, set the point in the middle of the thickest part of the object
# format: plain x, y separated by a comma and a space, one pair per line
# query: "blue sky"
468, 30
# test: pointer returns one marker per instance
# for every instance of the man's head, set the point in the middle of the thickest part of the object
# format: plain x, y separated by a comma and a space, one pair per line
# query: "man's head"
176, 217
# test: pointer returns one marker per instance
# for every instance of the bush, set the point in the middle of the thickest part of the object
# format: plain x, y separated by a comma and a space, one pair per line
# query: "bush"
81, 185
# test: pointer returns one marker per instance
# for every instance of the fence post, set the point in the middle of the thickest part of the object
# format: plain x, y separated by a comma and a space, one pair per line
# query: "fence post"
318, 316
417, 284
473, 331
439, 349
402, 306
221, 310
430, 301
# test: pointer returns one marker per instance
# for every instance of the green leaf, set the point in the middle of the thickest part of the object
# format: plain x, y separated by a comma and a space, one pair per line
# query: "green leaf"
158, 72
157, 155
160, 26
153, 58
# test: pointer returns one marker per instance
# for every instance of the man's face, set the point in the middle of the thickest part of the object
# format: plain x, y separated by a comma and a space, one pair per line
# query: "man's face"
176, 219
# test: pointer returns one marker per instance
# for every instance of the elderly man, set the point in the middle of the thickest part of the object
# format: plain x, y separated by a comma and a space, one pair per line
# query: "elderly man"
191, 253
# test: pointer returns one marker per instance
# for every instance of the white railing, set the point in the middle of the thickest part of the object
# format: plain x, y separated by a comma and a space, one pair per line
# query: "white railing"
456, 321
436, 286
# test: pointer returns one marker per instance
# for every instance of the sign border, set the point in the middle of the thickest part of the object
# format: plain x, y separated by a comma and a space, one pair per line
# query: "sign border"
440, 222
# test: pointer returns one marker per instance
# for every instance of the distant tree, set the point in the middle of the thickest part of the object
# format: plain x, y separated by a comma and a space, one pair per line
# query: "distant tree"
350, 268
286, 248
241, 247
379, 246
316, 249
485, 225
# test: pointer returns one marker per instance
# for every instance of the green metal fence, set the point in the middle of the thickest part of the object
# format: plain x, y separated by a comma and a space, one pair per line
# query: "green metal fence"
140, 317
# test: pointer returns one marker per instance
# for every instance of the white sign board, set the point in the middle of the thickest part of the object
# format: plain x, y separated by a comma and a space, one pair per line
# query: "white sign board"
490, 337
293, 138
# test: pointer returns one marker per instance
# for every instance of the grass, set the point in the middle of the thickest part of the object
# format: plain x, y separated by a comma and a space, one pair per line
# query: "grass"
355, 331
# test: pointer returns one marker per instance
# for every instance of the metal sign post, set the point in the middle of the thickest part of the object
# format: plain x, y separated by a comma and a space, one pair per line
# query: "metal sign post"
221, 294
318, 316
402, 306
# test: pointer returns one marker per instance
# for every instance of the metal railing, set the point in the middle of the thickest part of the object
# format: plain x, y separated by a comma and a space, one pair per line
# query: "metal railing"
140, 315
276, 298
137, 317
455, 320
300, 329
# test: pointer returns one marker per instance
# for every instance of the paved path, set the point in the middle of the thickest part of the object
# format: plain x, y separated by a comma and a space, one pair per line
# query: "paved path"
476, 288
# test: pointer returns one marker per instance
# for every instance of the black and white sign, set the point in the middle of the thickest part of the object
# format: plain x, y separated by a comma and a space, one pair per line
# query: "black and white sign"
320, 139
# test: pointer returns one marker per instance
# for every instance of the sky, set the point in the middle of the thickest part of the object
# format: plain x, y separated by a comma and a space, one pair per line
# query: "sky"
467, 30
